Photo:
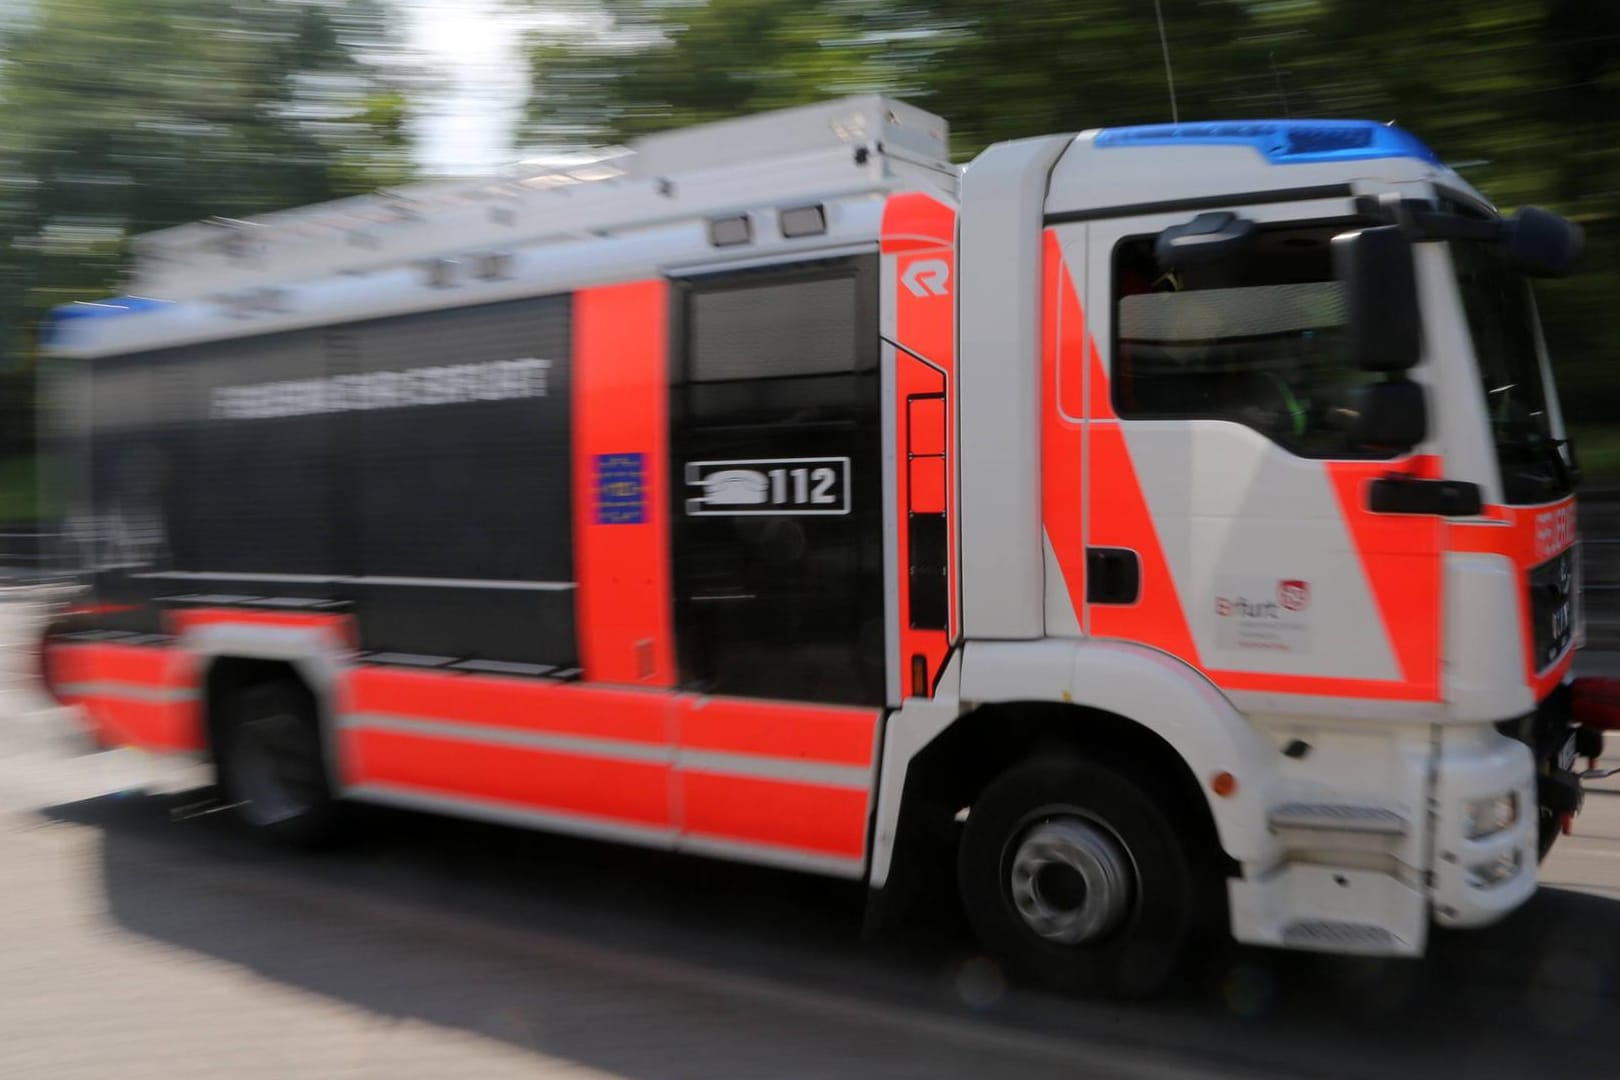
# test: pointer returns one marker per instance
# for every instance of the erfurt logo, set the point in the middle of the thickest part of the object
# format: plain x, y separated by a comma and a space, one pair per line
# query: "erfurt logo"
1256, 613
1555, 531
1228, 606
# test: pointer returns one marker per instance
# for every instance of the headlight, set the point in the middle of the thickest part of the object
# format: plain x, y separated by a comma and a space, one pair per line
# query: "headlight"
1487, 817
1497, 870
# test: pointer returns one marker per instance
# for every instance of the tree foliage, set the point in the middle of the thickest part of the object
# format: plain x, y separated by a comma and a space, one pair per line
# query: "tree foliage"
129, 117
125, 117
1519, 94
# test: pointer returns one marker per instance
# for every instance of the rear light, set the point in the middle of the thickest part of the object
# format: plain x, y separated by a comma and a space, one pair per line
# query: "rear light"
44, 662
1595, 703
64, 620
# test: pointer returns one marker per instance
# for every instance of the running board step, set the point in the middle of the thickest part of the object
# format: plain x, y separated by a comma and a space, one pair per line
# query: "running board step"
1337, 817
1341, 937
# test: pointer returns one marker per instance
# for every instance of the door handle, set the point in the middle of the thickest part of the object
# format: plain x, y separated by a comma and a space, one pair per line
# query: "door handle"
1113, 576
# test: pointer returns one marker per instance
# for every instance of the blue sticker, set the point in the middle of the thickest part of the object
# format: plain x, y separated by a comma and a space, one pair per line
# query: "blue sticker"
621, 489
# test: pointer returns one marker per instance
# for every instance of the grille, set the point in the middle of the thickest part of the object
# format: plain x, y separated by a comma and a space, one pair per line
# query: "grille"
1552, 607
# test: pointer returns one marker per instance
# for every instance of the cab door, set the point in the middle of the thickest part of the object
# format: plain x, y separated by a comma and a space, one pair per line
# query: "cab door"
1226, 515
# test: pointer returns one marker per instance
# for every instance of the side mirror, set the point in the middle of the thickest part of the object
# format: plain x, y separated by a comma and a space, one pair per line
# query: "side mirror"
1394, 416
1203, 240
1542, 243
1380, 282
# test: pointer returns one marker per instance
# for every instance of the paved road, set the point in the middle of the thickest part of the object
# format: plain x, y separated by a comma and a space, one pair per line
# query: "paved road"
136, 945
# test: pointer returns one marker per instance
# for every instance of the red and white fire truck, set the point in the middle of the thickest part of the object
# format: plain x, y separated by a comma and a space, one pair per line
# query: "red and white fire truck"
1131, 533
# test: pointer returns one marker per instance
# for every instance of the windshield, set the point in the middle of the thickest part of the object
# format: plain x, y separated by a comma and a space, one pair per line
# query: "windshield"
1502, 322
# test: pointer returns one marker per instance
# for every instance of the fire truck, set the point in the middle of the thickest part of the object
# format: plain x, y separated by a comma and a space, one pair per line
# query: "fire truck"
1131, 535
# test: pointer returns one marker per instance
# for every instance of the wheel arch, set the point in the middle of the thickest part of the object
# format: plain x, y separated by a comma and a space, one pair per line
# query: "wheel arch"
231, 656
1133, 708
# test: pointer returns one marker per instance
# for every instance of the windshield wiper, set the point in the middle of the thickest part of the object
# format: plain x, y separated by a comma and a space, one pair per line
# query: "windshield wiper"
1565, 474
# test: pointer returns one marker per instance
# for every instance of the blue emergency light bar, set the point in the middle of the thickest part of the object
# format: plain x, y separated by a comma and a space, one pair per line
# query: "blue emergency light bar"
1283, 142
60, 318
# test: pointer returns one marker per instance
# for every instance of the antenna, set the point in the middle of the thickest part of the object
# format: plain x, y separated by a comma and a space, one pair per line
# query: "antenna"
1277, 75
1169, 76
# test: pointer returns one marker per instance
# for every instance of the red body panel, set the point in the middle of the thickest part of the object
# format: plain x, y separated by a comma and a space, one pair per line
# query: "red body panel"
621, 402
630, 792
518, 704
919, 232
1529, 536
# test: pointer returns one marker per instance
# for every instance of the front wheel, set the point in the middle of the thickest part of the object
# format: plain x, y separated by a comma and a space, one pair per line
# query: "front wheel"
1073, 877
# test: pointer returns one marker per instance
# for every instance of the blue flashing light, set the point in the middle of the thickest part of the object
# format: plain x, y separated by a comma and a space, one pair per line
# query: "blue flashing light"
62, 317
1283, 142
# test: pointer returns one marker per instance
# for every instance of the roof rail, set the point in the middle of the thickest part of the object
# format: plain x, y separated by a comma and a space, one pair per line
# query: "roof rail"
814, 152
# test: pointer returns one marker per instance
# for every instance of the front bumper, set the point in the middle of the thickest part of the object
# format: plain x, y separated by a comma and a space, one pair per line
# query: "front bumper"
1479, 764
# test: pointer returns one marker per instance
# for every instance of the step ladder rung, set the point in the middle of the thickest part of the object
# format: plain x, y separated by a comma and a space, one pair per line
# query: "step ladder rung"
1339, 817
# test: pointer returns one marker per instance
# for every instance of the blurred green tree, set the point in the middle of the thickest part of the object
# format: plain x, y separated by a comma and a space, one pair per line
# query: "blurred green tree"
1519, 94
621, 68
125, 117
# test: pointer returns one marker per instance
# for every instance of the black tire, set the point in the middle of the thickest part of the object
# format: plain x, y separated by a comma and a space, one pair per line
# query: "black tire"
1146, 942
272, 765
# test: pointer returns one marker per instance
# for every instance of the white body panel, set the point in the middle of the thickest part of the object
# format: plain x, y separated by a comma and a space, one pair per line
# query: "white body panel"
790, 157
998, 358
1235, 513
1158, 692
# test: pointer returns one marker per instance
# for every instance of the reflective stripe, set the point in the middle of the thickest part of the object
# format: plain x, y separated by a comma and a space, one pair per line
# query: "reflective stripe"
205, 575
857, 778
510, 814
515, 704
529, 776
790, 731
463, 583
108, 688
119, 663
499, 736
769, 855
319, 579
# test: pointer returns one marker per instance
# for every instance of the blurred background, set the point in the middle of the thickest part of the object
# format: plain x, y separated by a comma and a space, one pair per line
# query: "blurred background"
130, 937
118, 118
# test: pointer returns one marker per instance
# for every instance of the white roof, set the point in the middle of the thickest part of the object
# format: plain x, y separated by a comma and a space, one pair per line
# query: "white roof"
803, 155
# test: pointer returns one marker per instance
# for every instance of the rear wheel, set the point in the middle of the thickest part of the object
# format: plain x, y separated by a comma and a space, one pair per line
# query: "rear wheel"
272, 766
1073, 877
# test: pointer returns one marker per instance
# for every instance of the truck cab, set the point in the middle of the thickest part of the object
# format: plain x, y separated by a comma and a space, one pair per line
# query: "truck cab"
1280, 433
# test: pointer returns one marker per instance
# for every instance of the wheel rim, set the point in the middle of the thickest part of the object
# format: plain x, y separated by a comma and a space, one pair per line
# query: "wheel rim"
1070, 880
274, 770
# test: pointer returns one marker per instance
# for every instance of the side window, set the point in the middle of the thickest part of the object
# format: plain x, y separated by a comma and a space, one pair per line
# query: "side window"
1257, 339
770, 329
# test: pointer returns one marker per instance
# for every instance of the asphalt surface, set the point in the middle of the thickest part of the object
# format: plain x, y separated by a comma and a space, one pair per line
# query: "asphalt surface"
140, 938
